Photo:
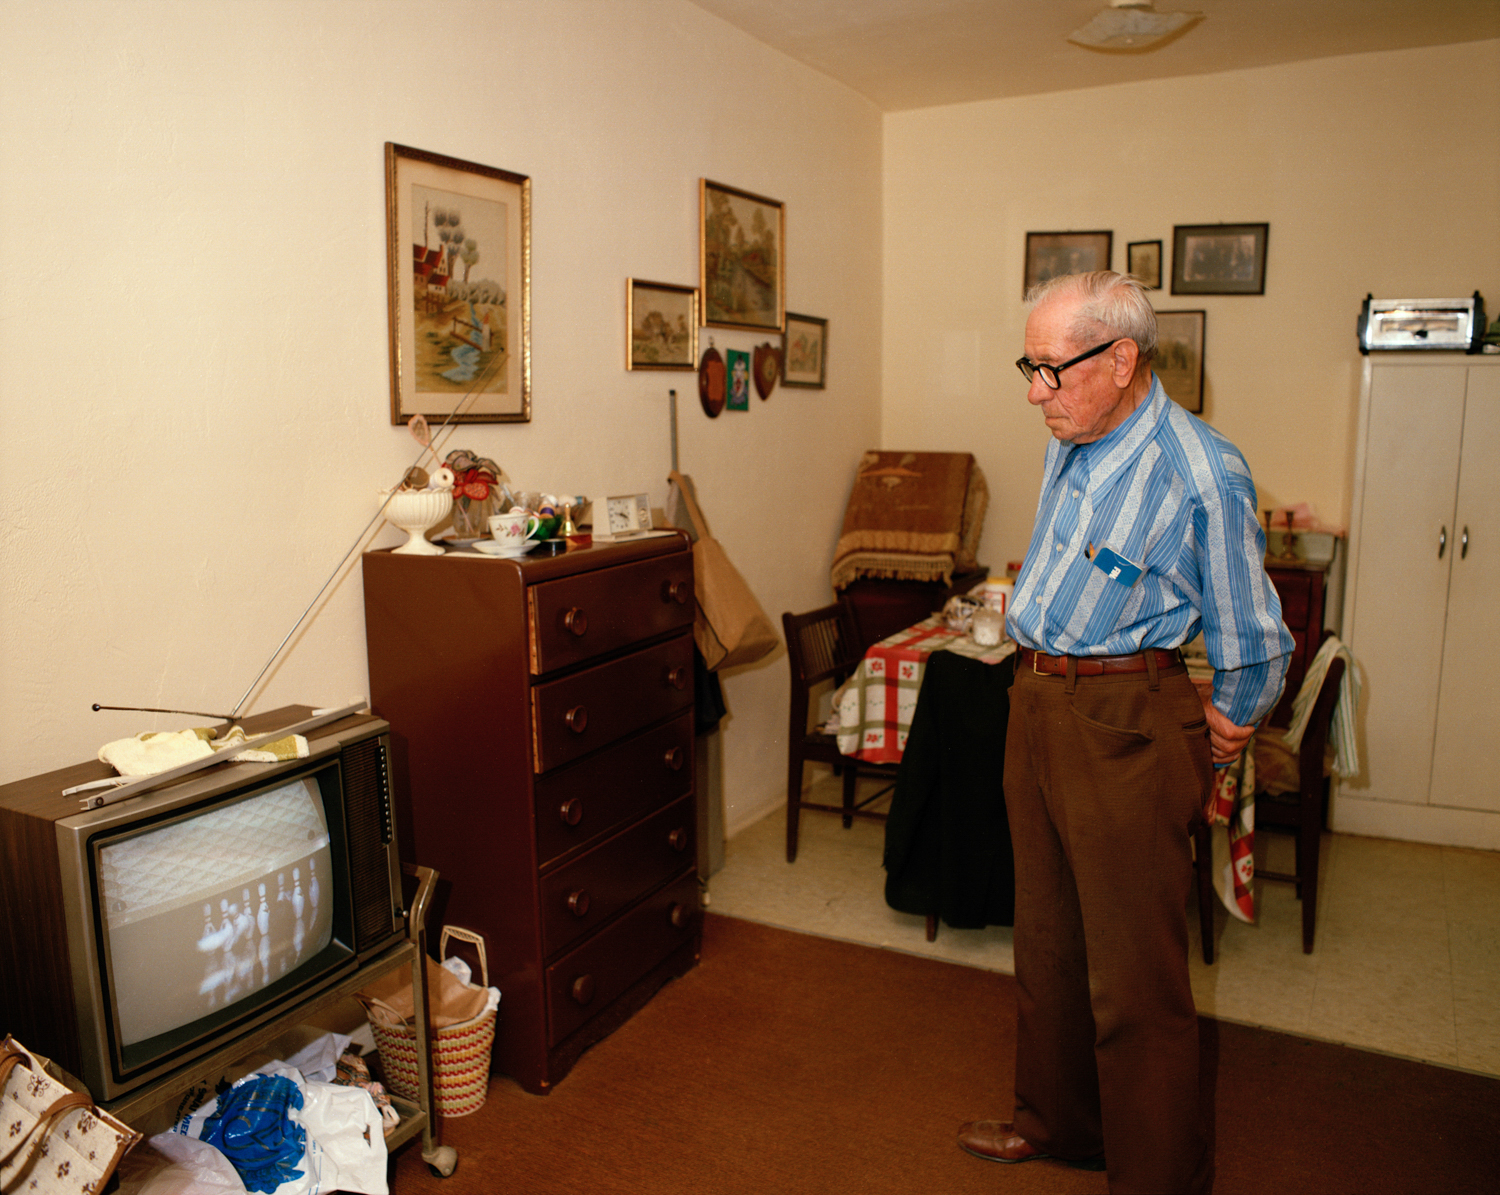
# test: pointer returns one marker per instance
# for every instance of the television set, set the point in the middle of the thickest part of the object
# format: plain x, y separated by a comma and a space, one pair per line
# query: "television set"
145, 933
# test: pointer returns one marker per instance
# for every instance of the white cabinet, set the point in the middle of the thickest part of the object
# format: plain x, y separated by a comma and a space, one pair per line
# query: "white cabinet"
1418, 615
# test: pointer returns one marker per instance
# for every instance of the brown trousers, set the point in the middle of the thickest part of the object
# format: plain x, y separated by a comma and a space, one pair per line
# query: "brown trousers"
1105, 778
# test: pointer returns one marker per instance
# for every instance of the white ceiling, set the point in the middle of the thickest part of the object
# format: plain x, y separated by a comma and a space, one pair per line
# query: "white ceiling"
904, 54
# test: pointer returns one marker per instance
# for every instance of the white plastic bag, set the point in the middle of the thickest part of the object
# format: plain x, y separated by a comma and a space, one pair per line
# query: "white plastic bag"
171, 1164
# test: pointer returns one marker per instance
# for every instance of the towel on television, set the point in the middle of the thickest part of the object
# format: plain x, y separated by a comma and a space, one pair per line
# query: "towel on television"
912, 516
155, 751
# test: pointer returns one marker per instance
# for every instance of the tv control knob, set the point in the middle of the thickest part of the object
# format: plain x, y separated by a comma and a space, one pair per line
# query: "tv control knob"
583, 989
578, 903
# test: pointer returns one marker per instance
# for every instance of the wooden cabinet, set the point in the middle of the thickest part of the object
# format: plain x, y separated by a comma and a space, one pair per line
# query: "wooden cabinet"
1424, 566
541, 716
1300, 587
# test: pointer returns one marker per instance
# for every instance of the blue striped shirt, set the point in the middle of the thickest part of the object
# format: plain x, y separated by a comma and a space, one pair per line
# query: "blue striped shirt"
1173, 496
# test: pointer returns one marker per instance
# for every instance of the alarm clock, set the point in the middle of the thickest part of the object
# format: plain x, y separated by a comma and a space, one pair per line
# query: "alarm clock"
624, 516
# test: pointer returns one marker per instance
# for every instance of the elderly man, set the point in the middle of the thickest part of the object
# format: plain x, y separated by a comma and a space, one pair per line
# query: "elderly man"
1146, 532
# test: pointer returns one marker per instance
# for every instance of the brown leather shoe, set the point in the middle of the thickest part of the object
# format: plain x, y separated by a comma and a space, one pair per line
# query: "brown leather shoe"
998, 1141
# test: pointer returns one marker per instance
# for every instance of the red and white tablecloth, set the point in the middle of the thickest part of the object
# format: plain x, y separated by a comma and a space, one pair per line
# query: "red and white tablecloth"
874, 707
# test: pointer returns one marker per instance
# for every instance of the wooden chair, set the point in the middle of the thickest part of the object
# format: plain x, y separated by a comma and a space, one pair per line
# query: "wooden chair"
1301, 810
1291, 795
820, 647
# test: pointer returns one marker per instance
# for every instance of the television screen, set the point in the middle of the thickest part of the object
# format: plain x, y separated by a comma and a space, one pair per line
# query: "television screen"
204, 912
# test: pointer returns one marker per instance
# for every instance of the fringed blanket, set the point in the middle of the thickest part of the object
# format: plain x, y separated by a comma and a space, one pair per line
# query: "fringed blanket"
912, 516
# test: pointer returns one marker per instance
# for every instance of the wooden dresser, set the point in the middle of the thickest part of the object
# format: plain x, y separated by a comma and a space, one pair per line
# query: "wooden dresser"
1301, 589
541, 716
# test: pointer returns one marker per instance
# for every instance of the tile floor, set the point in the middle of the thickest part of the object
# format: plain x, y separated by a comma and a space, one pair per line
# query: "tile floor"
1406, 958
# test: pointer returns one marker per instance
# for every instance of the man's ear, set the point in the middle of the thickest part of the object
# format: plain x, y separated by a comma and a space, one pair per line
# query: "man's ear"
1123, 358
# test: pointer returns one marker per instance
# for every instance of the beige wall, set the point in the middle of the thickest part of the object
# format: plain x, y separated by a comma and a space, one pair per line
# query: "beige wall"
194, 403
1376, 172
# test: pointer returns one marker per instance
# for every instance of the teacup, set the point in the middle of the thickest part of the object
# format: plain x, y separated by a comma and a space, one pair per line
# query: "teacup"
512, 529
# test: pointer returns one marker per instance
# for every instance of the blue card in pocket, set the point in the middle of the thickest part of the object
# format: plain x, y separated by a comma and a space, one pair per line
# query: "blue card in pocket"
1117, 568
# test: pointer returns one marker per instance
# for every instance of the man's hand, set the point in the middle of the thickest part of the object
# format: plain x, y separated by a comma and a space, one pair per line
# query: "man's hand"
1224, 738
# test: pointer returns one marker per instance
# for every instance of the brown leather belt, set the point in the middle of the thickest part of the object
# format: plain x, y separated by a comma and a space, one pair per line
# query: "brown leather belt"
1096, 665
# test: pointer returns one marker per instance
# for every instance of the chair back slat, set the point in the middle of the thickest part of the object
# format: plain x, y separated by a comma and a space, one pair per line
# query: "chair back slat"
818, 643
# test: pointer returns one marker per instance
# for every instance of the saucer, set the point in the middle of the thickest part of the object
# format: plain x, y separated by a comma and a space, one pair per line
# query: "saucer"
491, 548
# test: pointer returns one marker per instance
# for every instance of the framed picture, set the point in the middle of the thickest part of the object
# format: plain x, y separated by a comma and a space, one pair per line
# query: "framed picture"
1144, 263
663, 325
1179, 357
458, 255
737, 363
742, 258
1219, 259
804, 352
1049, 254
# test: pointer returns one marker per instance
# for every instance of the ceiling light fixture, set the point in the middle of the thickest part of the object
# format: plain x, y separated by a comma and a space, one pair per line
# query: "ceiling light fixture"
1131, 25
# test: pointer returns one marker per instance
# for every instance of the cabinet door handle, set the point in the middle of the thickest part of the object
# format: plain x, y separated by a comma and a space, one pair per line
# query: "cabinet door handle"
578, 903
576, 621
678, 677
1442, 541
1463, 550
678, 839
571, 811
583, 989
673, 758
679, 914
577, 719
676, 591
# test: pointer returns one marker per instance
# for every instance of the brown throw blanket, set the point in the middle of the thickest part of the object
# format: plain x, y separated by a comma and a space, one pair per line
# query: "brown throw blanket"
913, 516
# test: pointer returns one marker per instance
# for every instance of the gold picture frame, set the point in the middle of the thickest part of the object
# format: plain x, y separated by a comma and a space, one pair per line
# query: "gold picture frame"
661, 325
460, 346
741, 258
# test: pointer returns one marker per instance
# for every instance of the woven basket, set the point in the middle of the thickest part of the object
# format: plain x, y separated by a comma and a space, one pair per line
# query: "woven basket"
460, 1052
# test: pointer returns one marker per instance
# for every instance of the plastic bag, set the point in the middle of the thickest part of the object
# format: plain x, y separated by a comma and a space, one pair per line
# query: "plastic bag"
171, 1164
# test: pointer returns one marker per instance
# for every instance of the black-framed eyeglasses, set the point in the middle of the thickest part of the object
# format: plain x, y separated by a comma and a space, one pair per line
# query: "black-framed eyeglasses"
1029, 368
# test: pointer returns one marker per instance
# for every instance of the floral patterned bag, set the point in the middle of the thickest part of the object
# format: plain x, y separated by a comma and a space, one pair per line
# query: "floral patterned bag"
52, 1139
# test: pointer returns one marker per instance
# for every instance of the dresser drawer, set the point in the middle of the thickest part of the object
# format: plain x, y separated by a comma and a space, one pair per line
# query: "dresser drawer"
591, 709
621, 783
1295, 590
577, 618
584, 894
585, 982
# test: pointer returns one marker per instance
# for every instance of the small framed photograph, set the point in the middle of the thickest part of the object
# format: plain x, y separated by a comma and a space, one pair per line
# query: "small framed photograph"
1143, 260
1179, 357
741, 258
737, 363
804, 352
1219, 259
458, 256
663, 323
1049, 254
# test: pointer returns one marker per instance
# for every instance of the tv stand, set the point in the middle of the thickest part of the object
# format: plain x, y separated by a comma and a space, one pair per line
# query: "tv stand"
158, 1099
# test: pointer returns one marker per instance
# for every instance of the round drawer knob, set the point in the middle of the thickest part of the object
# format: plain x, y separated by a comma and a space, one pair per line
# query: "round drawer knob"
577, 719
680, 914
678, 839
578, 903
576, 621
676, 591
674, 758
583, 989
571, 811
678, 677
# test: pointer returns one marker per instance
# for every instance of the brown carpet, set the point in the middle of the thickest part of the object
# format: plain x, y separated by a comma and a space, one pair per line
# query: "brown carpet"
787, 1063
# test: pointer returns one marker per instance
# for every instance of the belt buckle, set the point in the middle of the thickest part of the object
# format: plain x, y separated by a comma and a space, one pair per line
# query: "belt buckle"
1035, 656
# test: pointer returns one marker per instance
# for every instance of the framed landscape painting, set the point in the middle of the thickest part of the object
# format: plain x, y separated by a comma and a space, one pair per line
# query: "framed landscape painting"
458, 256
1179, 357
663, 325
742, 258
